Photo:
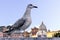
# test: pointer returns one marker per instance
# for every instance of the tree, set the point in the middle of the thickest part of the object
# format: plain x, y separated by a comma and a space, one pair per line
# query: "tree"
57, 35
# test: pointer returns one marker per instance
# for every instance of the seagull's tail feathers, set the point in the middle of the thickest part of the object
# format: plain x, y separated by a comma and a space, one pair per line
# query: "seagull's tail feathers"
9, 31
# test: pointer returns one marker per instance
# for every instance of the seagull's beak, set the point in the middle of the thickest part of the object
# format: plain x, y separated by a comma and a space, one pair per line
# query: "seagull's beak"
35, 7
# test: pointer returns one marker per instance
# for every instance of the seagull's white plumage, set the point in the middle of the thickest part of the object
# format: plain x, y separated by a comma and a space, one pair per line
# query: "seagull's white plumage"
24, 22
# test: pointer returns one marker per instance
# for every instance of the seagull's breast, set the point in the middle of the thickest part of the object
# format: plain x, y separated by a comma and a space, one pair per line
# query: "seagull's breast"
27, 23
29, 20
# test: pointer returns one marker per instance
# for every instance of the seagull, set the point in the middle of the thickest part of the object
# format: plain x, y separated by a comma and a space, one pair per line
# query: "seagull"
24, 22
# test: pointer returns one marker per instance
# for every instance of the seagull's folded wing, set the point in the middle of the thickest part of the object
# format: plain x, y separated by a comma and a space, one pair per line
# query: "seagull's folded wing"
19, 23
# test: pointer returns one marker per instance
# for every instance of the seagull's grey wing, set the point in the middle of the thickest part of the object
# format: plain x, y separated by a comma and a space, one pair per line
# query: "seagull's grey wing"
19, 23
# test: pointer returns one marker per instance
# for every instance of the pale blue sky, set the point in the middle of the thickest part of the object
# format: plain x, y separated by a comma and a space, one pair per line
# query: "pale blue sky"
48, 11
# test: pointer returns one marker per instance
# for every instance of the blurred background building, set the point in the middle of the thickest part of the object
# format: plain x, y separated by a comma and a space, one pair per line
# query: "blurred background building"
35, 32
42, 30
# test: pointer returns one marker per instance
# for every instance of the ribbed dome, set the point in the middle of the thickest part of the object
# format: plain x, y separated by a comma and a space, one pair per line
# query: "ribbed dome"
42, 27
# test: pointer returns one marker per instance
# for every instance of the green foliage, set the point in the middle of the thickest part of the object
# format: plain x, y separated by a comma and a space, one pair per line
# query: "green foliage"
57, 35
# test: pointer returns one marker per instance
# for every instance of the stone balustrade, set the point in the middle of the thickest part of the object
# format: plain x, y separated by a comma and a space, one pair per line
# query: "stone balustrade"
30, 38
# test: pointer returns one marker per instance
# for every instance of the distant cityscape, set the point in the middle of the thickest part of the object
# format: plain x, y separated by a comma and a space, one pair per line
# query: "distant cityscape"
35, 32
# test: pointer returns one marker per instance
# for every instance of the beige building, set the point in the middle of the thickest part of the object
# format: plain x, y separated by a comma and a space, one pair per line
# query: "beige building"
50, 34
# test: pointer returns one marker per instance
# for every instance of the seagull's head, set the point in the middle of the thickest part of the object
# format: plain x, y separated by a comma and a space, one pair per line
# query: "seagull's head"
32, 6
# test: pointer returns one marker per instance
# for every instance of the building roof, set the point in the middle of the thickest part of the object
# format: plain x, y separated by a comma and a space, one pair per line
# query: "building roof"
42, 26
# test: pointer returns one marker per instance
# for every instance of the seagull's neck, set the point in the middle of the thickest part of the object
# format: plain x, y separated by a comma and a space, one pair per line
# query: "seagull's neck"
27, 12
